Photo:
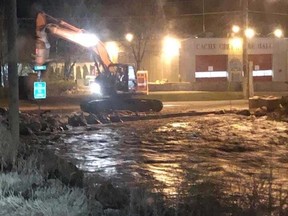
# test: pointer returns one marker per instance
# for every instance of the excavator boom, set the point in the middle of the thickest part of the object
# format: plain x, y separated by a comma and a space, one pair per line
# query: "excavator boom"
66, 31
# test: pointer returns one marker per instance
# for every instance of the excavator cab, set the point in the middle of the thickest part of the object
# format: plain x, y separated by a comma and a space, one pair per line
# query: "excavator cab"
118, 79
125, 77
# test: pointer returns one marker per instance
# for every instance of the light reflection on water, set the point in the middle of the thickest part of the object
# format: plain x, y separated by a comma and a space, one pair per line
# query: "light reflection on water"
184, 152
169, 175
94, 151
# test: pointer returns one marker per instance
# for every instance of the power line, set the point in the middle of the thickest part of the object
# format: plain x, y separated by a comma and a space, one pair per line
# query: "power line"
205, 13
268, 13
129, 17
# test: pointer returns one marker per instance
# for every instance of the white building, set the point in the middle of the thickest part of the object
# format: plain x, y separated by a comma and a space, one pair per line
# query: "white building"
216, 63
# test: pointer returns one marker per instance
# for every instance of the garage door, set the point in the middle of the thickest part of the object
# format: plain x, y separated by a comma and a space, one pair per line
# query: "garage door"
211, 68
262, 67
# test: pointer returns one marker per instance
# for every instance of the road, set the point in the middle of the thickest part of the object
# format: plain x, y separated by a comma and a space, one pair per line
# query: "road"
72, 103
204, 105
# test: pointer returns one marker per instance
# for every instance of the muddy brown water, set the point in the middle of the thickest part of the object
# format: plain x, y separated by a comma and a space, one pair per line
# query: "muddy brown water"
236, 156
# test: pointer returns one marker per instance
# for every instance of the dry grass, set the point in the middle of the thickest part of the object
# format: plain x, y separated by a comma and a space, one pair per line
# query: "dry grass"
26, 192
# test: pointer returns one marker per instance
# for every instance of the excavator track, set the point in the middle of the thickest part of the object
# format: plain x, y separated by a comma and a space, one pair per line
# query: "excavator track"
105, 105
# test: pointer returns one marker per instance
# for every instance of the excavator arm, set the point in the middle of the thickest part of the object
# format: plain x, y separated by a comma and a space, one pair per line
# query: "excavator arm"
61, 29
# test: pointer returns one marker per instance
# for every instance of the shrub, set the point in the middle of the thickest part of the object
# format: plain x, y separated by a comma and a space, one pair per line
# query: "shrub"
60, 86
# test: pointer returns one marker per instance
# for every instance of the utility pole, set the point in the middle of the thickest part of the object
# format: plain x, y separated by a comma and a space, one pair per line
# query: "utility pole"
203, 16
11, 20
245, 82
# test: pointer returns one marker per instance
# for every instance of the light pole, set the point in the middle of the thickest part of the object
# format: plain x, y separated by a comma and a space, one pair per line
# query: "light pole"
129, 38
246, 89
203, 16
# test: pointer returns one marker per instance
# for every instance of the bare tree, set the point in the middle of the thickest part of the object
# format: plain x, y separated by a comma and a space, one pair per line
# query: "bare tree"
146, 23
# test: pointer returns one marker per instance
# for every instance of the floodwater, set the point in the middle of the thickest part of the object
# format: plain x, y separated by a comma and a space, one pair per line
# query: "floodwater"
233, 156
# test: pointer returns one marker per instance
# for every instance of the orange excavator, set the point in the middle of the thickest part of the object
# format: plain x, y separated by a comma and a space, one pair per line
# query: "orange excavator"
116, 82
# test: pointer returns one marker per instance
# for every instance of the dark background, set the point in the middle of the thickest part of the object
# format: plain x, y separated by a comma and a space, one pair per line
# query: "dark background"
112, 19
181, 16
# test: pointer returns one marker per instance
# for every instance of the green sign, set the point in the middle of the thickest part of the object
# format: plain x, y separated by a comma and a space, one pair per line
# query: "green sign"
39, 90
40, 67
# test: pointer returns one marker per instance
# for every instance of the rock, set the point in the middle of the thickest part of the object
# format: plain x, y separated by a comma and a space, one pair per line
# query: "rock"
112, 212
103, 118
44, 125
254, 102
63, 120
271, 103
115, 118
220, 112
91, 119
24, 130
3, 111
77, 120
95, 208
35, 126
260, 111
284, 103
52, 121
24, 117
63, 123
112, 197
244, 112
57, 167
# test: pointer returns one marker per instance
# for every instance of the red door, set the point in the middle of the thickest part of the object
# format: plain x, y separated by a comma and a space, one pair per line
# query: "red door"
211, 68
262, 66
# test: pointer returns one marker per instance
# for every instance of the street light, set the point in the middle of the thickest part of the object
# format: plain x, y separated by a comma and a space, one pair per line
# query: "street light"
236, 43
171, 47
278, 33
249, 33
129, 37
235, 28
113, 50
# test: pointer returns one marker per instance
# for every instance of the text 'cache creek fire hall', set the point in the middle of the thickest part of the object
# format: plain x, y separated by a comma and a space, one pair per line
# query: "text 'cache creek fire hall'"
220, 59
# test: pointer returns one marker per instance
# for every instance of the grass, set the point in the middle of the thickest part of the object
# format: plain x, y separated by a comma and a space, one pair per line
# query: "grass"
25, 191
29, 194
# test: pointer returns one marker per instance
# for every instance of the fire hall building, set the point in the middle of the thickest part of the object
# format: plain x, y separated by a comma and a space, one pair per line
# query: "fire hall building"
209, 63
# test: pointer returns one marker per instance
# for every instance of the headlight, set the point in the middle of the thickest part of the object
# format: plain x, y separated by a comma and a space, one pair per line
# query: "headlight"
95, 88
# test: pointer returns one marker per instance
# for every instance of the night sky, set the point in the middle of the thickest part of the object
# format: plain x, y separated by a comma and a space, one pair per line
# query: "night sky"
181, 6
181, 15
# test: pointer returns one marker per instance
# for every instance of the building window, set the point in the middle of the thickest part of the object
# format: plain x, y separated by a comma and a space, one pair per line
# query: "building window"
213, 74
262, 73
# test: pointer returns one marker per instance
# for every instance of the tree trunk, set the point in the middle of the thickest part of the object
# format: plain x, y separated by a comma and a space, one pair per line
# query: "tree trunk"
1, 70
11, 18
138, 65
